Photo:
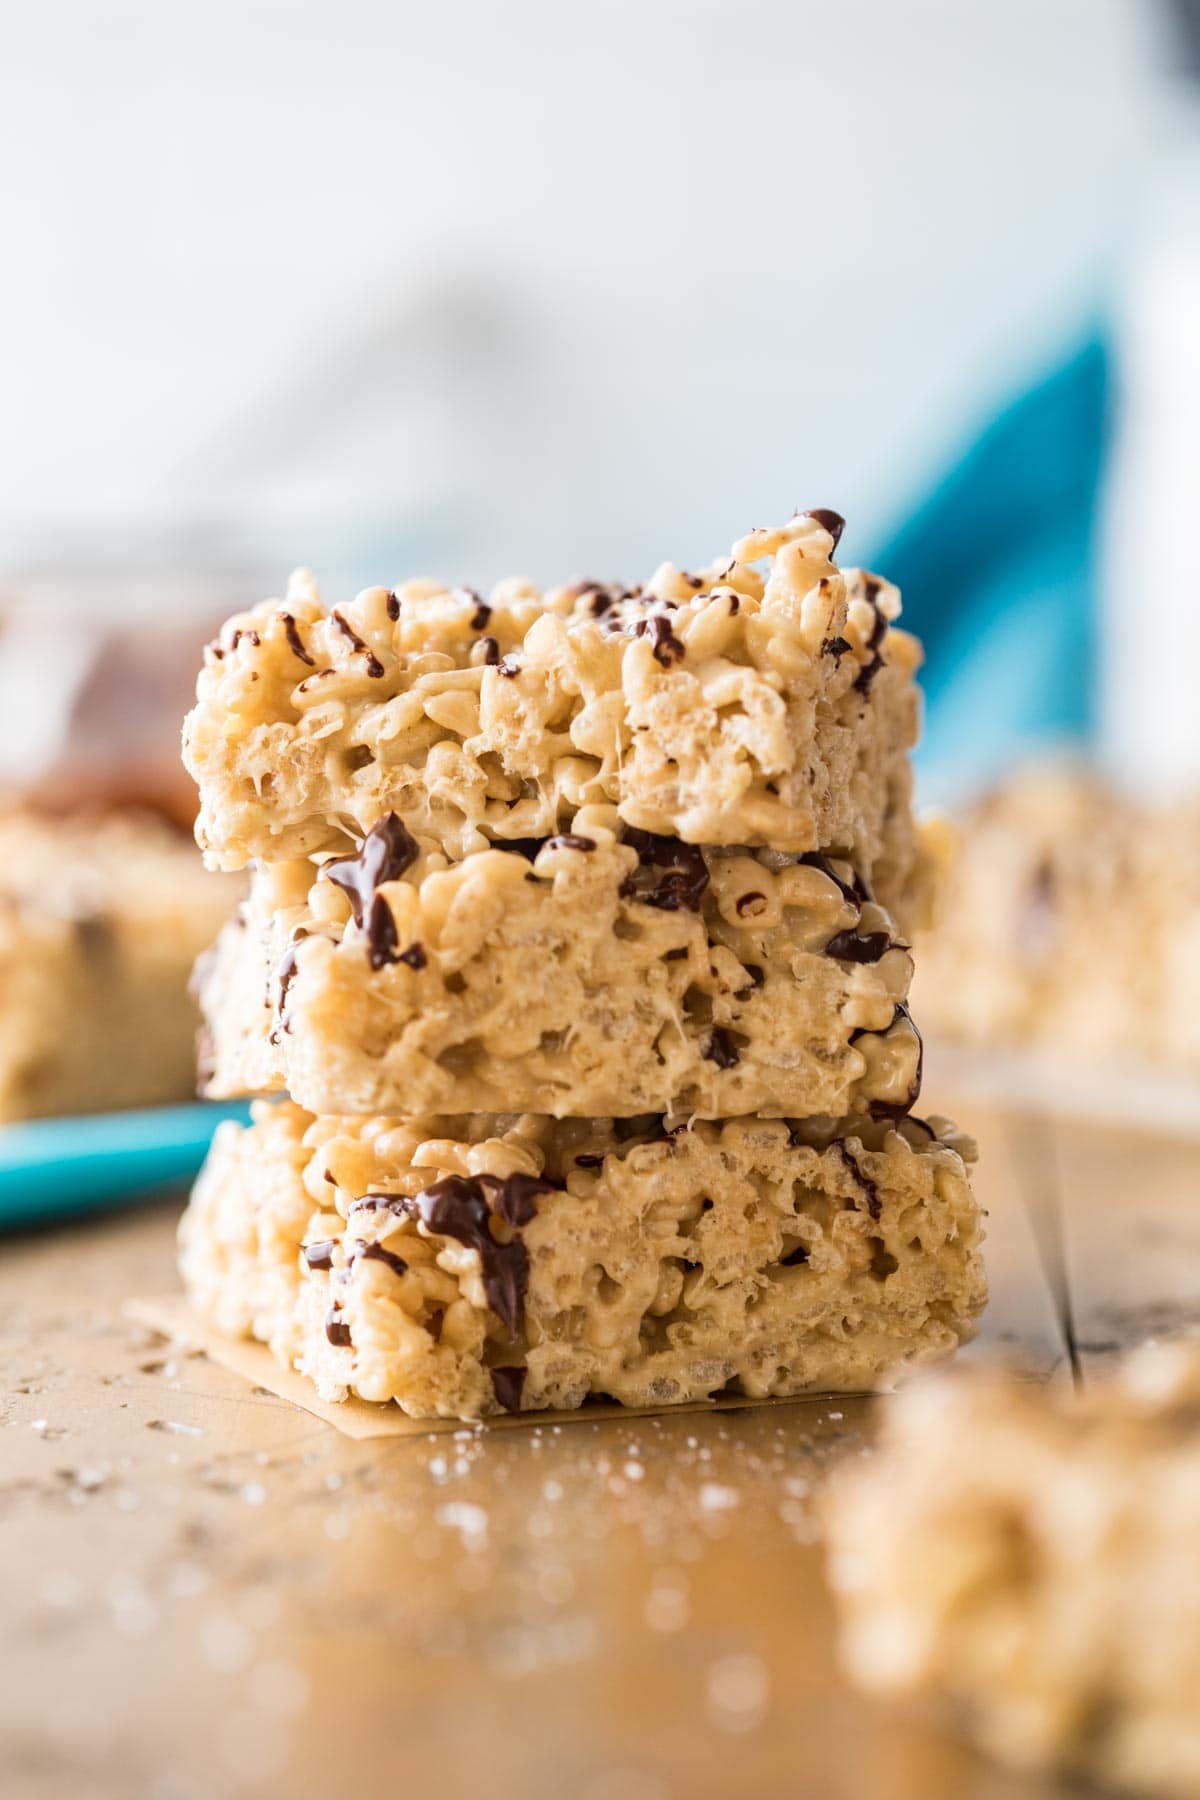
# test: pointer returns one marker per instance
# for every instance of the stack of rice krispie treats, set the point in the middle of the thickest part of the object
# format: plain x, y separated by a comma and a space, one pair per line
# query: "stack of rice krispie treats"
578, 941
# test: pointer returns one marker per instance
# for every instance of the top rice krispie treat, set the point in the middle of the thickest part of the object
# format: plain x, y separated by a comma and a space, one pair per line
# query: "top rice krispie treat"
766, 701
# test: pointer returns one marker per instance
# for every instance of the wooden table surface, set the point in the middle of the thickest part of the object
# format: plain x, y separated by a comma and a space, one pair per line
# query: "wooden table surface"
207, 1594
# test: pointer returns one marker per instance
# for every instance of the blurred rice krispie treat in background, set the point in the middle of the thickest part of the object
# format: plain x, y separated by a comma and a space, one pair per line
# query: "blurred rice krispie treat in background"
104, 902
1031, 1558
621, 879
90, 702
101, 919
1068, 919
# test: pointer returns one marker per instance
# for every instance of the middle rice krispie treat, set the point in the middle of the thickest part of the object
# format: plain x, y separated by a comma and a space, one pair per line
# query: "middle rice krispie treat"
586, 975
463, 1266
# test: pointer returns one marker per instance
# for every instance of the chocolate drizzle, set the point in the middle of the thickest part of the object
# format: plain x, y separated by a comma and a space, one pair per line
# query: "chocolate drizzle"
295, 641
286, 974
868, 672
414, 957
386, 852
507, 1385
858, 946
393, 606
366, 1251
855, 890
482, 614
666, 647
721, 1049
491, 651
569, 840
383, 940
458, 1206
319, 1255
869, 1187
887, 1109
828, 520
337, 1330
374, 666
670, 874
398, 1204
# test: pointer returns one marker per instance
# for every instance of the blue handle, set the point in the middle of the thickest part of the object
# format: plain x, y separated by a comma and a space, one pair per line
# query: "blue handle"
50, 1168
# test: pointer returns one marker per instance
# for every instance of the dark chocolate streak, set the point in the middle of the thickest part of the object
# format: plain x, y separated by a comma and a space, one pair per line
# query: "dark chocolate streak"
385, 854
458, 1207
369, 1252
295, 641
507, 1385
337, 1330
666, 647
569, 840
868, 1187
855, 890
393, 606
383, 940
886, 1109
509, 667
414, 956
399, 1204
858, 946
491, 651
483, 612
721, 1049
870, 670
670, 874
286, 974
319, 1255
374, 666
831, 521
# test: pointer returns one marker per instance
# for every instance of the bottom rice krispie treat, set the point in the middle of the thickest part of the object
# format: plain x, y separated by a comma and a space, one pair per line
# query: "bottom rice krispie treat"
464, 1266
1033, 1558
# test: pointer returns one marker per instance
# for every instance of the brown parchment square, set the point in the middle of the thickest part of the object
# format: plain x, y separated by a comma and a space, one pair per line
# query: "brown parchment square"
172, 1317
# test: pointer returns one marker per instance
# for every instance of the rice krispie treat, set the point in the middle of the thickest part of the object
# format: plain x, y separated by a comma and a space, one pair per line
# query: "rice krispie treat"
462, 1266
1046, 932
588, 975
739, 706
1033, 1558
100, 921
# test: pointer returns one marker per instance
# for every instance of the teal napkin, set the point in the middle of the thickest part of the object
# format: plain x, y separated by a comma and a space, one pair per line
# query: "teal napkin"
54, 1168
